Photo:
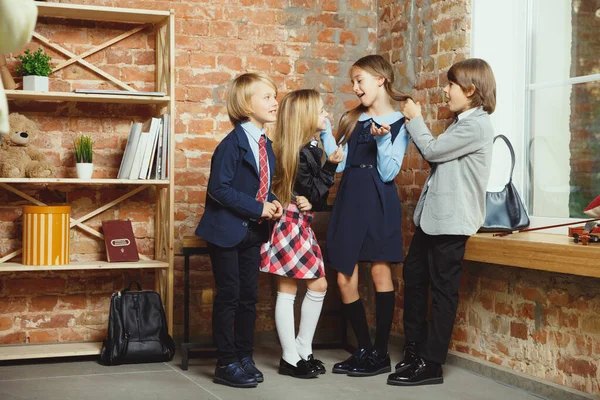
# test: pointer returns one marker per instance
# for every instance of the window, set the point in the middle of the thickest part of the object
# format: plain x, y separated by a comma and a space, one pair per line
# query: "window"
544, 54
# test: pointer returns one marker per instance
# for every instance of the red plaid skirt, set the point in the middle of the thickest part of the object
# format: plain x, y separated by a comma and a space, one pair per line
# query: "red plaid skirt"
293, 250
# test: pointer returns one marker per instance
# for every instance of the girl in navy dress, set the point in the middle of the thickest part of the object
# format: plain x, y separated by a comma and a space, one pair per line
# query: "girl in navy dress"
366, 220
301, 183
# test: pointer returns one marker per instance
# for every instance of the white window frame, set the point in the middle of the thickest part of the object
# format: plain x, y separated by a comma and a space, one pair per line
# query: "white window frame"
502, 34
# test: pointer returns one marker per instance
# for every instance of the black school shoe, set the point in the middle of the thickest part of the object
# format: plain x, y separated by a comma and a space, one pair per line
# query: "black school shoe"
374, 363
249, 367
234, 375
302, 370
317, 364
351, 362
410, 356
421, 373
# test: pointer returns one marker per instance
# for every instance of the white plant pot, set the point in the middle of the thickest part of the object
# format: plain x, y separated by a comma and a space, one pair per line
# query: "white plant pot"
35, 83
84, 170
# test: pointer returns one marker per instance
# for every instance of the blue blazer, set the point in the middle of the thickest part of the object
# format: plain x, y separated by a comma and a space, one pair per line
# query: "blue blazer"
231, 194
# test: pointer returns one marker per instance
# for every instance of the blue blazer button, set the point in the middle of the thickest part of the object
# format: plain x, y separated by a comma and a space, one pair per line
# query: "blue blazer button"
245, 223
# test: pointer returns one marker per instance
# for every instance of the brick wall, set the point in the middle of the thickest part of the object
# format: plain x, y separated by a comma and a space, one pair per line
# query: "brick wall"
301, 43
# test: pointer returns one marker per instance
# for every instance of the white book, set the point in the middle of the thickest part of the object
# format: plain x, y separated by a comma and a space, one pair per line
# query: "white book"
150, 145
130, 149
153, 152
141, 148
164, 169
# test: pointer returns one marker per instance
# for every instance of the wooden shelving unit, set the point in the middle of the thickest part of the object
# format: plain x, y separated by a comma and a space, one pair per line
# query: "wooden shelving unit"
163, 24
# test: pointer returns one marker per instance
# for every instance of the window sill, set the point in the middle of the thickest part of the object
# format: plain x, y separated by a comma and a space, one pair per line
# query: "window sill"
533, 250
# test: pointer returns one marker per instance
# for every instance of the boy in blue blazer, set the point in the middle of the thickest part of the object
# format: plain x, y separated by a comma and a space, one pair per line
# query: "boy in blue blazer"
239, 205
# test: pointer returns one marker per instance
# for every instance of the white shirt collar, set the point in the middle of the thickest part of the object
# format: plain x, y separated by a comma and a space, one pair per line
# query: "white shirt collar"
387, 119
252, 130
465, 114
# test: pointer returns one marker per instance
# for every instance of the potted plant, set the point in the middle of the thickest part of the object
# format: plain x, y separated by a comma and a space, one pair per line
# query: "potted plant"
34, 68
82, 147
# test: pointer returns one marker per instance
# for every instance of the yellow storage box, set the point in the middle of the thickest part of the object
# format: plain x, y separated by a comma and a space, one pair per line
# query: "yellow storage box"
46, 235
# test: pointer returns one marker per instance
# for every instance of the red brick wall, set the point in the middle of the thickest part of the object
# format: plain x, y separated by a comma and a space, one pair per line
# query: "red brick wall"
538, 323
301, 43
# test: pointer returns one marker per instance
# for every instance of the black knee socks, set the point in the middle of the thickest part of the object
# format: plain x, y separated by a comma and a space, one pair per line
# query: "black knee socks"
355, 313
384, 315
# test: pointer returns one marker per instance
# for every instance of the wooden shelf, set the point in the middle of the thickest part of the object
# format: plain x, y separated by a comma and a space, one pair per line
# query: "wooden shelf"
533, 250
99, 13
95, 265
29, 351
76, 181
84, 97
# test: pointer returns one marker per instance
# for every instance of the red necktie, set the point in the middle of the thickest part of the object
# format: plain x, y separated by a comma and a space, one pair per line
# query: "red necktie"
263, 170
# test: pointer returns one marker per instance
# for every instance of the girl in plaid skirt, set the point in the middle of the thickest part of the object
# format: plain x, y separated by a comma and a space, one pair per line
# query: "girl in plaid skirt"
301, 183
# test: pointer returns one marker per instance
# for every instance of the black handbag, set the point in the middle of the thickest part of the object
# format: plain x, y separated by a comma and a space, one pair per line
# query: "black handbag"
504, 210
137, 329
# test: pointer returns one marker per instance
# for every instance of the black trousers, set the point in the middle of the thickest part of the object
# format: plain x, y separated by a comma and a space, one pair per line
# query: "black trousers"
235, 271
433, 261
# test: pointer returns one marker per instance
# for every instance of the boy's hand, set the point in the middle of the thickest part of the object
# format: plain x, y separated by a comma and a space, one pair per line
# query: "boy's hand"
384, 130
337, 156
411, 110
303, 203
279, 210
269, 210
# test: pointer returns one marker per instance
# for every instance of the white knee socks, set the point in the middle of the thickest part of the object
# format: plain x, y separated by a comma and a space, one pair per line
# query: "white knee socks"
284, 321
311, 311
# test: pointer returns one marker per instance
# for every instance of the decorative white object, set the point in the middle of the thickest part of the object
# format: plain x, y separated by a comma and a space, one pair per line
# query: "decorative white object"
35, 83
84, 170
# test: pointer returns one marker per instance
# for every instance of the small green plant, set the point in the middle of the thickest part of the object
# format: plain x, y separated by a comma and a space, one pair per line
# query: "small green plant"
37, 63
82, 147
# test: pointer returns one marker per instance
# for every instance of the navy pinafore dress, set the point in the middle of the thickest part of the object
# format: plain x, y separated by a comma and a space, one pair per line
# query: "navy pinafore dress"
366, 220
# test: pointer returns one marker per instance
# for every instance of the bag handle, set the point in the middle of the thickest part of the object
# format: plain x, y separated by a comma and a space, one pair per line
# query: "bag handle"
139, 287
512, 153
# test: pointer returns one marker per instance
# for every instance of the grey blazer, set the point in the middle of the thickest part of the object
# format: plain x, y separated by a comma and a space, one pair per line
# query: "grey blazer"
453, 199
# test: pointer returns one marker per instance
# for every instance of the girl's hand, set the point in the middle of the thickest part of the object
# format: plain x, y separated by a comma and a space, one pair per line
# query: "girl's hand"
384, 130
303, 203
337, 156
411, 110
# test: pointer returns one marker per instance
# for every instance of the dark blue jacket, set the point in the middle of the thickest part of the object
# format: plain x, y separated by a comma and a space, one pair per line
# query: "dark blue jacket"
231, 194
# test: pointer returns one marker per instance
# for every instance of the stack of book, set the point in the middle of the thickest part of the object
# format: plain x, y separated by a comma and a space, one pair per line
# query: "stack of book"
146, 154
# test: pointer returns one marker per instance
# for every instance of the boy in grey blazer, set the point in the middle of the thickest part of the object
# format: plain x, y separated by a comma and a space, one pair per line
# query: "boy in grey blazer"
450, 209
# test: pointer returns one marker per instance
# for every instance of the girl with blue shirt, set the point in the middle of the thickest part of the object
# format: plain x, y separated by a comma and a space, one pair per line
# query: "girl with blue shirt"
366, 221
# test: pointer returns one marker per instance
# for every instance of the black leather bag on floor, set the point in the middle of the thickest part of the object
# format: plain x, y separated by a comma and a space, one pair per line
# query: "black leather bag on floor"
504, 210
137, 329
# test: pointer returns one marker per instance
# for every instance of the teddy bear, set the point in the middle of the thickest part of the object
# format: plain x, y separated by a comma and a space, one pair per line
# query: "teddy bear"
17, 158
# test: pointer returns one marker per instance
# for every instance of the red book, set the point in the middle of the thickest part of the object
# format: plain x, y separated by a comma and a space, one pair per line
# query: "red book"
119, 240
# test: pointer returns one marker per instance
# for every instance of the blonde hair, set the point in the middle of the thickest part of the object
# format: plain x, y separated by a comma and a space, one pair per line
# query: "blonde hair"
377, 66
240, 92
475, 73
297, 121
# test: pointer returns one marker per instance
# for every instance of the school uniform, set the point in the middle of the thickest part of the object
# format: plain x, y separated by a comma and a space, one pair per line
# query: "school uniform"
366, 220
450, 209
366, 225
293, 250
231, 225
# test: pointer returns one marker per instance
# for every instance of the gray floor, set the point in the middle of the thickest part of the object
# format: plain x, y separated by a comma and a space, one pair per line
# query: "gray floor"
83, 380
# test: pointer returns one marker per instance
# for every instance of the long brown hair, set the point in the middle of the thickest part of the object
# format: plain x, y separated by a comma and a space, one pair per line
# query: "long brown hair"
377, 66
297, 121
476, 73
